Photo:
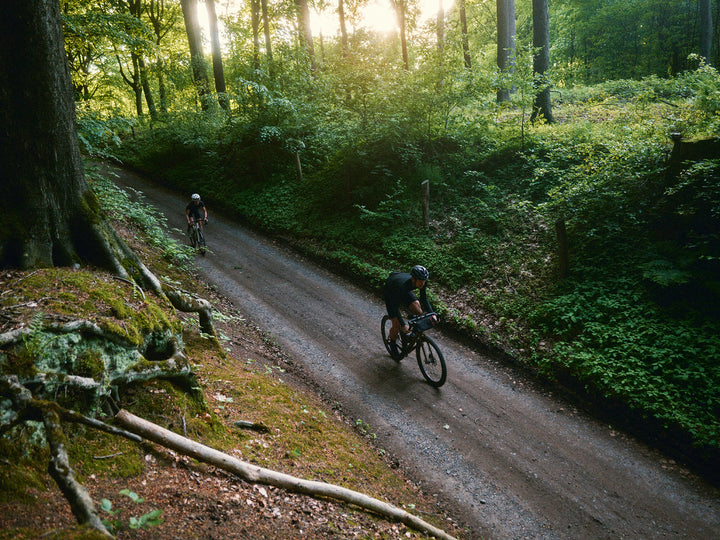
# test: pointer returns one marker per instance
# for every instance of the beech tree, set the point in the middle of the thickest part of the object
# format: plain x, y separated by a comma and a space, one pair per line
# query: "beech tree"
197, 59
706, 29
541, 61
51, 216
505, 42
464, 34
218, 72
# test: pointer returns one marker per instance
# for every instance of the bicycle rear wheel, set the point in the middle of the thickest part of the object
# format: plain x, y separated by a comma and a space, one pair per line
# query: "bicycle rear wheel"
385, 326
431, 362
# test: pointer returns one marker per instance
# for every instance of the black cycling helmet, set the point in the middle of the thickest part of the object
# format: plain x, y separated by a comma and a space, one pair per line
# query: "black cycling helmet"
420, 272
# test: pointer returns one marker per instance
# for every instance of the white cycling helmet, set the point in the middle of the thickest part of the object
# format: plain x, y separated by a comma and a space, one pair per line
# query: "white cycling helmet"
195, 197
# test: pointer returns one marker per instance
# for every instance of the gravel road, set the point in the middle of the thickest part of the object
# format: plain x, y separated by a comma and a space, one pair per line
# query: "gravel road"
507, 460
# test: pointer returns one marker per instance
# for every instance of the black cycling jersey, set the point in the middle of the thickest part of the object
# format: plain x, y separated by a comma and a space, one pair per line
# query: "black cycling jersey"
196, 210
399, 292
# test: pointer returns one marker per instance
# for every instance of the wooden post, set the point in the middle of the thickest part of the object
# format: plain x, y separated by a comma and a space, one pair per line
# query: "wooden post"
298, 166
426, 202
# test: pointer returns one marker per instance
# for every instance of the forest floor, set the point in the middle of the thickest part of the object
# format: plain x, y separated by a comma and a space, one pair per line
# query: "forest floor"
201, 501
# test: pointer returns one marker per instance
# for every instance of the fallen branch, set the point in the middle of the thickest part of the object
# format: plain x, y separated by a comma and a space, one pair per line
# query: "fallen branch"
260, 475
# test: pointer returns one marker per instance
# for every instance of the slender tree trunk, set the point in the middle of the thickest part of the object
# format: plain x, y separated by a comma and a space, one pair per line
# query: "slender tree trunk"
706, 30
464, 34
505, 42
255, 21
541, 61
306, 37
197, 58
268, 42
440, 27
146, 88
218, 72
343, 28
400, 10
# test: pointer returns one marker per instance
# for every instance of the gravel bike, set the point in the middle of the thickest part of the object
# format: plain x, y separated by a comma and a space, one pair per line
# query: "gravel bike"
429, 357
197, 238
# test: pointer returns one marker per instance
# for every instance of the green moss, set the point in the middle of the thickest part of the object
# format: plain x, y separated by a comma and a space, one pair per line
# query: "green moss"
89, 363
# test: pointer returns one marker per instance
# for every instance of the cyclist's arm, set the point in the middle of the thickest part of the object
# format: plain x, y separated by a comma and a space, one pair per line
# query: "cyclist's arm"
424, 301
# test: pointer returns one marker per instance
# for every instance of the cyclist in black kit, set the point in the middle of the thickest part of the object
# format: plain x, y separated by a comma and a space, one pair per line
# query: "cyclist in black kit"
195, 210
398, 292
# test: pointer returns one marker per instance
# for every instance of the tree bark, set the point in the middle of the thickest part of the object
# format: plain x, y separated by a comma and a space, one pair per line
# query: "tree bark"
306, 37
50, 215
268, 41
218, 72
255, 23
440, 27
260, 475
400, 7
464, 34
505, 43
706, 30
343, 29
542, 107
197, 57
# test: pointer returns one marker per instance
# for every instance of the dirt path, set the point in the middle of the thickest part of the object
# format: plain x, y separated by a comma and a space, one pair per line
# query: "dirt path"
507, 460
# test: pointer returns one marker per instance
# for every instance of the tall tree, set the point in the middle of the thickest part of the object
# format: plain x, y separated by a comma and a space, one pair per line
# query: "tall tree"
440, 26
305, 32
197, 58
162, 18
343, 28
464, 34
51, 216
218, 72
505, 42
706, 29
268, 41
542, 106
255, 23
400, 7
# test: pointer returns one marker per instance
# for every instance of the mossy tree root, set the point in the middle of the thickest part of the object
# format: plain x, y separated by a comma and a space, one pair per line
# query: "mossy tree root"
59, 466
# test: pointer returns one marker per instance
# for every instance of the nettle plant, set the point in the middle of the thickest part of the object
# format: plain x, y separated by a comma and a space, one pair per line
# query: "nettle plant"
145, 521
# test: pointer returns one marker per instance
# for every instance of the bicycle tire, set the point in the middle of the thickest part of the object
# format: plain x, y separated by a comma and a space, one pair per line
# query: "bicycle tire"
193, 237
201, 241
431, 362
385, 326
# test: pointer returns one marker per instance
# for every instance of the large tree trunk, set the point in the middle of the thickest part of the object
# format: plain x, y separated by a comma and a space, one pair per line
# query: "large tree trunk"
464, 34
541, 61
50, 215
505, 42
197, 58
706, 30
218, 71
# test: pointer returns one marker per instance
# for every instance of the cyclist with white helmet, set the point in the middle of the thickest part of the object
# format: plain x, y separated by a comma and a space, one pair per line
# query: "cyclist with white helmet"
195, 210
398, 292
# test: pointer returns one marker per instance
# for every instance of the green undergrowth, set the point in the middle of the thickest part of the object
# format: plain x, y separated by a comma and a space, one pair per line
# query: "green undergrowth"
634, 325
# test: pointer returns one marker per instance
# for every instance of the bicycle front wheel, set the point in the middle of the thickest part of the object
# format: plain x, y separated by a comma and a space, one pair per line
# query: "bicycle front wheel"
431, 362
193, 238
201, 241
